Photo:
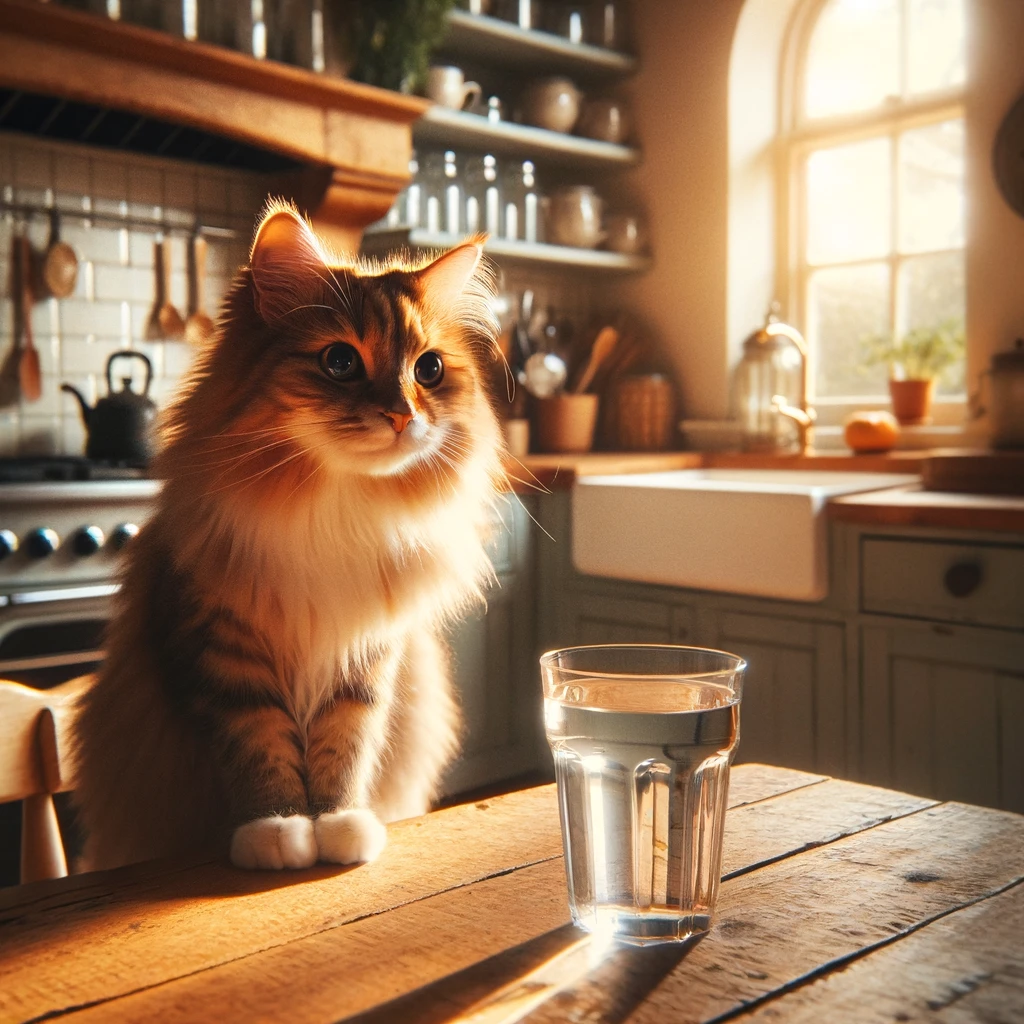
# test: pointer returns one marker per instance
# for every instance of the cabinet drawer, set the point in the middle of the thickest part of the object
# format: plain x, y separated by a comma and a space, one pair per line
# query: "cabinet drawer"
982, 584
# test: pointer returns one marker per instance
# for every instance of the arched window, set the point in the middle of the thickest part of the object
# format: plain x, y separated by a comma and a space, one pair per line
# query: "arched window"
875, 189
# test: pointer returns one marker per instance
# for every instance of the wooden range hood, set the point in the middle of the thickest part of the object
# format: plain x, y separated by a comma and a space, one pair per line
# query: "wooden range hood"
349, 143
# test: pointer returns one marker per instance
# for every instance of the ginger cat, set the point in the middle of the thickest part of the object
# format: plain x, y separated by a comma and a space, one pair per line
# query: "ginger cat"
276, 682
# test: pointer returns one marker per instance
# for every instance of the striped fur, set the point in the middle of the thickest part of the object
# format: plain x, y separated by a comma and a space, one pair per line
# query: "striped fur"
277, 647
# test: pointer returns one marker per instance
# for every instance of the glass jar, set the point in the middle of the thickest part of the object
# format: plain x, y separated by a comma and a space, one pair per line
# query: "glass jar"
521, 219
442, 194
483, 195
772, 365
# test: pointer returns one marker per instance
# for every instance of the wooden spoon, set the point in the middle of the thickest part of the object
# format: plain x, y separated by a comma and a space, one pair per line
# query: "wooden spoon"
198, 327
29, 373
164, 320
60, 264
605, 341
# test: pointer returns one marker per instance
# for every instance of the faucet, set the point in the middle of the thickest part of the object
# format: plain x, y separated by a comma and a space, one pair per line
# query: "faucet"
802, 414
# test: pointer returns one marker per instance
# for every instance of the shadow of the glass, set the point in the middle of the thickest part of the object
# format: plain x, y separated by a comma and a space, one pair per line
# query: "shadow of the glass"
564, 974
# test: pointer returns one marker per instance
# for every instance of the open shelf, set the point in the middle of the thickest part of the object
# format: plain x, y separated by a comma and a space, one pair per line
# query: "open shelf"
378, 241
456, 129
484, 38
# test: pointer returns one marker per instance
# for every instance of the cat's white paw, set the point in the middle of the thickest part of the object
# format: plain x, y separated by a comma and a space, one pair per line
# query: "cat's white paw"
275, 842
350, 836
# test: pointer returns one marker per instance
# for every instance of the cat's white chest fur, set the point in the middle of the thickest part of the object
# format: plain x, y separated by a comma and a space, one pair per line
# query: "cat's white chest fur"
346, 574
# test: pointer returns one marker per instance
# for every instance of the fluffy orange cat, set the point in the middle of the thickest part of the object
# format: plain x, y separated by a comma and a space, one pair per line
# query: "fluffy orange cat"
275, 679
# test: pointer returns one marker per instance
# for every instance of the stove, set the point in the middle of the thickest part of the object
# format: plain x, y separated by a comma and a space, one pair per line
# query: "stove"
63, 525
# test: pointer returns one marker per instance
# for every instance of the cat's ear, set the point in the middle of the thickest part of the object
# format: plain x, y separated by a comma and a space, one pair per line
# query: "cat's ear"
287, 265
445, 280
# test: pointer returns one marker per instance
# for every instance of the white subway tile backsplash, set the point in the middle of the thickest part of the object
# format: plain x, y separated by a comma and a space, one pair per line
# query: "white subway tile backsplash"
109, 179
145, 188
33, 168
114, 295
132, 283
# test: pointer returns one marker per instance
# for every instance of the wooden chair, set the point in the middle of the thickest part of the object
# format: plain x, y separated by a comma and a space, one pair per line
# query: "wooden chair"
35, 729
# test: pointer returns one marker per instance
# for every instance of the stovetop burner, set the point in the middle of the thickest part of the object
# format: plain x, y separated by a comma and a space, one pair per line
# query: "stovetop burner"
65, 468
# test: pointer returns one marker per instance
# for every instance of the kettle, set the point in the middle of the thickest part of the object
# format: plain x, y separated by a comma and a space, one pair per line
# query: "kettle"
119, 426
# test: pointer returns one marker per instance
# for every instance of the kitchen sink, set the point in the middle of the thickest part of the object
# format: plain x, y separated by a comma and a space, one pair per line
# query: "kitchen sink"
744, 531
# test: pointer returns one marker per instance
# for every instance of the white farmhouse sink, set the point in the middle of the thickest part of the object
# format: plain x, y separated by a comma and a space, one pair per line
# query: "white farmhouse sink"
745, 531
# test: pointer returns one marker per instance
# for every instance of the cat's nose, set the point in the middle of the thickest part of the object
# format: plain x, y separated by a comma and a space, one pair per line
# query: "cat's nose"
400, 419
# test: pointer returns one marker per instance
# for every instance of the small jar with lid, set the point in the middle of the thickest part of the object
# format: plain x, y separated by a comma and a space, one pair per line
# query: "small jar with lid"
1006, 402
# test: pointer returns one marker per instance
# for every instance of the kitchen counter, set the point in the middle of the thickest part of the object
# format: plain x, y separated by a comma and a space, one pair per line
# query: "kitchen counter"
900, 506
914, 506
560, 472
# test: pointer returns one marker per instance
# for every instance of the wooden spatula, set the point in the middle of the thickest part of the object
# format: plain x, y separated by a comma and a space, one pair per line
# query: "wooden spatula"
605, 341
29, 373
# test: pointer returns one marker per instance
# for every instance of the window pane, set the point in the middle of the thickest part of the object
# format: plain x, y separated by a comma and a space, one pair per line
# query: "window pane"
936, 59
853, 57
932, 294
846, 306
848, 197
931, 204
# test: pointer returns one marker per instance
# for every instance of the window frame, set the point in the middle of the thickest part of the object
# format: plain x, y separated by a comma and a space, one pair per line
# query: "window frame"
800, 136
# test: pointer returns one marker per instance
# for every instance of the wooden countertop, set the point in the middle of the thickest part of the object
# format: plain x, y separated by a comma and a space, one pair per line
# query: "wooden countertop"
561, 471
900, 506
840, 902
914, 506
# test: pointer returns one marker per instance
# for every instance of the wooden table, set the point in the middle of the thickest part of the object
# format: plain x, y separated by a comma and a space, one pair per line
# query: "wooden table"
841, 902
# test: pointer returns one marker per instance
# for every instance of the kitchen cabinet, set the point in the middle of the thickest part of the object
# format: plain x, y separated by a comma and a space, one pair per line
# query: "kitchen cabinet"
893, 679
943, 711
494, 665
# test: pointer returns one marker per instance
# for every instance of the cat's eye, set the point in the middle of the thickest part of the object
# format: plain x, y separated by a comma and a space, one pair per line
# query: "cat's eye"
429, 370
341, 362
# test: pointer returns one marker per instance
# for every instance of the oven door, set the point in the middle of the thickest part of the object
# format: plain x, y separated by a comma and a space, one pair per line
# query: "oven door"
50, 635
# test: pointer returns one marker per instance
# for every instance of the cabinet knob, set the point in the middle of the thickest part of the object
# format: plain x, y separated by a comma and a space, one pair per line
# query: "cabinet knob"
963, 578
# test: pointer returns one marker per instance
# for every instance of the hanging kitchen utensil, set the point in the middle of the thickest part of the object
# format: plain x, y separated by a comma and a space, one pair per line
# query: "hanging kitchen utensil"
164, 320
198, 327
29, 373
120, 425
60, 264
605, 341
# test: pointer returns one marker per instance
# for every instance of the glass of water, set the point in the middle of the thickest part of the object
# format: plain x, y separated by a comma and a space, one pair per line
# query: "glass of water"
642, 737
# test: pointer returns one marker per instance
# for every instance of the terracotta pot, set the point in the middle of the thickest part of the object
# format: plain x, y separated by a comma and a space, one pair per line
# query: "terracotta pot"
565, 423
912, 401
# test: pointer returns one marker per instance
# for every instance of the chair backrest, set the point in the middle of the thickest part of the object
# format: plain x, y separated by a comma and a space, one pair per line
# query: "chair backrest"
35, 728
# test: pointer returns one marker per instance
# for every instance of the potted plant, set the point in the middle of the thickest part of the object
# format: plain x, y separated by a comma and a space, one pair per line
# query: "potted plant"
916, 361
389, 42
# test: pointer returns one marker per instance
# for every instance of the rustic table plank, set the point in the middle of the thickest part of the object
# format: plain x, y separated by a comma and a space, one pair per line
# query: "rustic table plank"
967, 966
353, 968
836, 902
150, 923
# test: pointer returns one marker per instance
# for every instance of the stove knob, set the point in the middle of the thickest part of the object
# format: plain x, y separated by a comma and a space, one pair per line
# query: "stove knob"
123, 534
8, 544
88, 540
42, 542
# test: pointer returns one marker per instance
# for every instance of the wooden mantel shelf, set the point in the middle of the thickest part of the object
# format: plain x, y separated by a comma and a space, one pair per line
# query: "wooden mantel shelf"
354, 139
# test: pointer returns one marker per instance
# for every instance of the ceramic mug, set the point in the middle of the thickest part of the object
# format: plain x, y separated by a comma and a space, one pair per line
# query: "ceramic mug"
605, 120
624, 232
447, 86
574, 217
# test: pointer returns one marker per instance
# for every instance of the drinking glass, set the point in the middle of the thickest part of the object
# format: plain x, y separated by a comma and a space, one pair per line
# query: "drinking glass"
642, 737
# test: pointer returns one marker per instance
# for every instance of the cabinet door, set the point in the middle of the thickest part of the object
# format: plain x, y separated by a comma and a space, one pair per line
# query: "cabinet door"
600, 619
944, 713
793, 711
495, 672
